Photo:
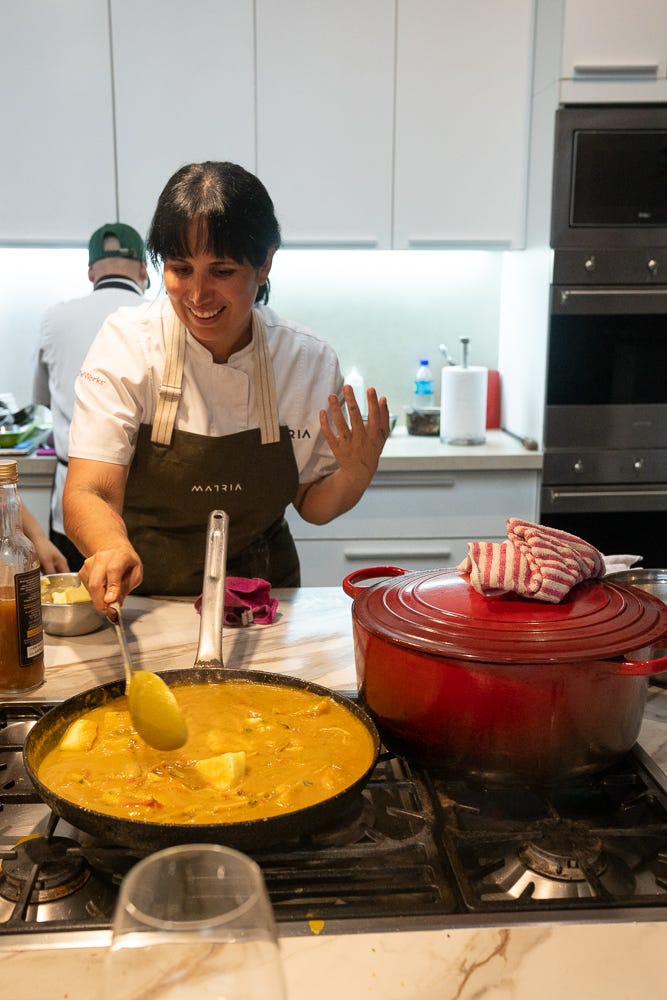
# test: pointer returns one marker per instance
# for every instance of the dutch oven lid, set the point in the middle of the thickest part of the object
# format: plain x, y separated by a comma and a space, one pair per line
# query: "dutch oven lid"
439, 612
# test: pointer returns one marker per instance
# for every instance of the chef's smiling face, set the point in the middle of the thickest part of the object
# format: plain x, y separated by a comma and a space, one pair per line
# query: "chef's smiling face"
213, 298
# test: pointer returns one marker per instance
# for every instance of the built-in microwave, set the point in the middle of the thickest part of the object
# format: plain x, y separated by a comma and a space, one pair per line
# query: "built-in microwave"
610, 177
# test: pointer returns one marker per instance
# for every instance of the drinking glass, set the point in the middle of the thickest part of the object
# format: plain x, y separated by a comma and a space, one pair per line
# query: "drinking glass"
194, 922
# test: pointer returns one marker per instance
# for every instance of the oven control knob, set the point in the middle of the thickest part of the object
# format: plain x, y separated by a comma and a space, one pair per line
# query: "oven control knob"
590, 263
652, 265
578, 466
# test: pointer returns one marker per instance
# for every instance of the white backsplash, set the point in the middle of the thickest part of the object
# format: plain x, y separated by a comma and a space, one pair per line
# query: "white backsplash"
381, 310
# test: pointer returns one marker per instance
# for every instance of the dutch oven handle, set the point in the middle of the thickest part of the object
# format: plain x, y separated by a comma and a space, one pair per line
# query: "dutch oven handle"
635, 668
369, 573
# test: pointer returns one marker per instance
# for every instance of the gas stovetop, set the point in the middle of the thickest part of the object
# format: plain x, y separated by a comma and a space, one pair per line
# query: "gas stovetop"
416, 849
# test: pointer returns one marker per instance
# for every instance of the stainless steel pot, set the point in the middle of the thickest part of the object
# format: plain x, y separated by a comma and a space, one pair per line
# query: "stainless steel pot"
653, 581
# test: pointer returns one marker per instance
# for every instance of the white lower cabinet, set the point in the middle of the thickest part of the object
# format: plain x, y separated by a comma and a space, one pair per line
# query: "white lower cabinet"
35, 484
414, 521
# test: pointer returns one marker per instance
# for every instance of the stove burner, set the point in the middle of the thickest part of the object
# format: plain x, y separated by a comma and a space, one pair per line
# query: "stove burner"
60, 874
561, 857
563, 862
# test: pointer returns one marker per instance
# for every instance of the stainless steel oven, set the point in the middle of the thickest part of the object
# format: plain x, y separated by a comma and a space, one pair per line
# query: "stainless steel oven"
605, 465
605, 435
610, 177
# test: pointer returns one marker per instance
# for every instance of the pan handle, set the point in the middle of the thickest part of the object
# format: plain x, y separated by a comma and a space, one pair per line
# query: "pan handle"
369, 573
209, 650
642, 668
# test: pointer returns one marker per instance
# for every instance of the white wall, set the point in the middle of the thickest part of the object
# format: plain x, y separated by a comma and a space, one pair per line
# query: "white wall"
381, 310
524, 312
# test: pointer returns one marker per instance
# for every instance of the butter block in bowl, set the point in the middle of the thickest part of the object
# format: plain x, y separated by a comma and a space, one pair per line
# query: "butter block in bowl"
66, 606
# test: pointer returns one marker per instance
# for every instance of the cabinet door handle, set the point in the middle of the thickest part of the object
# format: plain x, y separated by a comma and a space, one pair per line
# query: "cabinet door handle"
619, 70
465, 244
339, 242
410, 481
383, 551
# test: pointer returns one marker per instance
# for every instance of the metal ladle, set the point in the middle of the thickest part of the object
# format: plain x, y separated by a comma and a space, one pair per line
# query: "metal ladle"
154, 711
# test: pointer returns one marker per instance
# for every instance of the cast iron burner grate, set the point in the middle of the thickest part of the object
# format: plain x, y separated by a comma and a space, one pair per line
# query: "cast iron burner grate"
417, 849
598, 842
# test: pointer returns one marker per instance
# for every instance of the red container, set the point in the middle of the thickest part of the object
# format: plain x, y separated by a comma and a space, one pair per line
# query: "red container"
493, 399
506, 689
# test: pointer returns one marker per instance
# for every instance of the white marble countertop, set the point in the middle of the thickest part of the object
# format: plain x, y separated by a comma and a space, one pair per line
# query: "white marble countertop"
312, 638
405, 452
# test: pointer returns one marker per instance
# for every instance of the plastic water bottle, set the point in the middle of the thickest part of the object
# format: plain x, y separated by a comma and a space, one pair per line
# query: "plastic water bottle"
356, 380
423, 391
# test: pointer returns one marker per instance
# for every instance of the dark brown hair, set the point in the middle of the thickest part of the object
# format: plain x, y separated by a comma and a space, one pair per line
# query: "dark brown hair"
232, 212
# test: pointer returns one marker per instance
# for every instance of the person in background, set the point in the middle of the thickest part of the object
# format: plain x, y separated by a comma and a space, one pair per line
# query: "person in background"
207, 399
117, 269
51, 559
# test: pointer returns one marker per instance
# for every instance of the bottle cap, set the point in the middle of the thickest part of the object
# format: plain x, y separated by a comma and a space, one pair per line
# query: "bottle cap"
9, 473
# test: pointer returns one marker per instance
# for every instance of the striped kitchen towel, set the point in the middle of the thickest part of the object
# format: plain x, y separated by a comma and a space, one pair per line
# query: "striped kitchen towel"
535, 561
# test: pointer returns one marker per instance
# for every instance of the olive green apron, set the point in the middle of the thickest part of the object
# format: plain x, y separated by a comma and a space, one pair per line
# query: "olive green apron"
176, 478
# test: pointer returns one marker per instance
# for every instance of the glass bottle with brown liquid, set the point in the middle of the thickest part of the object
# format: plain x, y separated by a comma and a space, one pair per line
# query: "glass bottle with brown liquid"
21, 635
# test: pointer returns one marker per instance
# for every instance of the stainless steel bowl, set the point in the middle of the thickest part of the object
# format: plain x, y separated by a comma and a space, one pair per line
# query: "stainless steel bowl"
77, 618
652, 580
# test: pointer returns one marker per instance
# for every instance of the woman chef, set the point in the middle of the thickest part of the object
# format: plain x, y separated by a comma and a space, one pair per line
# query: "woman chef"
206, 399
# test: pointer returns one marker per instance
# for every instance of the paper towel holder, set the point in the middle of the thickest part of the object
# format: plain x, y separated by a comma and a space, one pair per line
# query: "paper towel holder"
462, 418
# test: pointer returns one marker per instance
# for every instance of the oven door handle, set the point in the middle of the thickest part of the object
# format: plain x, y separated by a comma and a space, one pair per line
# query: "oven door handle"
602, 494
604, 300
567, 293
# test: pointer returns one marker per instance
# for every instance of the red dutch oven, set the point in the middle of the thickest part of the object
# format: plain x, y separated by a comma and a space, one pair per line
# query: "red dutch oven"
505, 689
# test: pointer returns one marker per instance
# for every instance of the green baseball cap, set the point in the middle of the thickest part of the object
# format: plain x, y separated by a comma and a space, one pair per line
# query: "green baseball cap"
132, 247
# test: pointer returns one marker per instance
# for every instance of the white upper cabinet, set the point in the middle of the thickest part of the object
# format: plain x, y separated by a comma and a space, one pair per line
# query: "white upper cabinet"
463, 97
325, 78
185, 92
57, 163
614, 51
382, 123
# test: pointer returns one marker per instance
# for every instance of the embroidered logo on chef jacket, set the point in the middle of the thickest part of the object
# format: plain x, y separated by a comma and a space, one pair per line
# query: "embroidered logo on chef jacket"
89, 377
216, 488
300, 434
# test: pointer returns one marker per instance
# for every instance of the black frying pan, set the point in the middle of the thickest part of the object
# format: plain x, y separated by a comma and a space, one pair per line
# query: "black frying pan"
208, 669
147, 836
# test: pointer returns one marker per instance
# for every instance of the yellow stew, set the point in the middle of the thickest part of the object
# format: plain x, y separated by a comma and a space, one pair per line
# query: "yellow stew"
253, 750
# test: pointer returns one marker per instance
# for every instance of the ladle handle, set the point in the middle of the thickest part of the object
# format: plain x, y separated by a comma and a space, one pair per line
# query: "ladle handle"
119, 629
209, 651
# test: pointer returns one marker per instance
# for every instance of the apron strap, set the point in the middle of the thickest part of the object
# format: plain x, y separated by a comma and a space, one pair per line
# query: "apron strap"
170, 390
269, 426
172, 378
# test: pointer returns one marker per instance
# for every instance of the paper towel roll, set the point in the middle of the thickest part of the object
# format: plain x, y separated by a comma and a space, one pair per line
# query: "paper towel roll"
463, 405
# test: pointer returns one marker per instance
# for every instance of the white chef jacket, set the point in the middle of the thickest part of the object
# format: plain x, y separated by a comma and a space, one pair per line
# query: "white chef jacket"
117, 387
66, 333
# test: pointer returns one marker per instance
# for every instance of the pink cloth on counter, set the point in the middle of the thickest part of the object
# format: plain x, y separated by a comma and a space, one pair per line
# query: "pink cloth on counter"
247, 601
535, 561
